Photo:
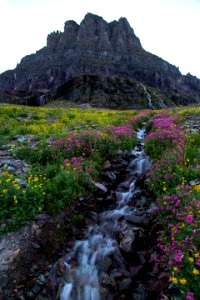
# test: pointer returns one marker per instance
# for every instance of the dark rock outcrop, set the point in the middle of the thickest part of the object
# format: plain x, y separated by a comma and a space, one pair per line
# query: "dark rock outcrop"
95, 48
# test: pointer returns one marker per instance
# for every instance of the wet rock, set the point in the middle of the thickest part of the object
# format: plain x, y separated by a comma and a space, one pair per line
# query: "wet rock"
138, 220
3, 280
30, 295
107, 279
110, 175
20, 297
139, 292
35, 245
104, 292
105, 264
135, 270
127, 241
100, 186
41, 279
60, 267
124, 284
141, 255
36, 289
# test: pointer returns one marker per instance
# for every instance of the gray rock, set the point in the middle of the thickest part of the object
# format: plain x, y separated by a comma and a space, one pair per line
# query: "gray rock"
41, 279
107, 279
3, 280
124, 284
127, 241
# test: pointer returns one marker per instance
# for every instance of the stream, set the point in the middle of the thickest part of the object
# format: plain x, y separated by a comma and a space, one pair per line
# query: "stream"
103, 266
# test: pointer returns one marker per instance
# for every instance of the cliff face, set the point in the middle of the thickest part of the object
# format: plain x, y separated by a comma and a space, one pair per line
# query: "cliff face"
95, 48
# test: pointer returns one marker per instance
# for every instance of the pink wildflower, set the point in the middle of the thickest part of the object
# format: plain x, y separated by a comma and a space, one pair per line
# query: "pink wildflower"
198, 262
178, 256
189, 218
190, 296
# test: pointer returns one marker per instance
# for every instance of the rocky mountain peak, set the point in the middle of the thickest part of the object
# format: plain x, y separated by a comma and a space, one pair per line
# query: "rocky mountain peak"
94, 32
96, 48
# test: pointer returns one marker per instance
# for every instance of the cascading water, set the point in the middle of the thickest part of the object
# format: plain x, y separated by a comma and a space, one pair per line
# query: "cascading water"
82, 281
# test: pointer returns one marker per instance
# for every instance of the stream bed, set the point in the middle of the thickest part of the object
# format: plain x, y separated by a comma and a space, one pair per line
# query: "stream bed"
114, 260
111, 255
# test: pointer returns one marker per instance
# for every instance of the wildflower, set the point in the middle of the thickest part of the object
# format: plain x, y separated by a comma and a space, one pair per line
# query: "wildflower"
174, 280
183, 281
195, 271
198, 262
189, 218
190, 259
190, 296
178, 256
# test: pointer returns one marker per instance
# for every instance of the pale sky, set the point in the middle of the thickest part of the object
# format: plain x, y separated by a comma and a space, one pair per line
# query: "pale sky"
167, 28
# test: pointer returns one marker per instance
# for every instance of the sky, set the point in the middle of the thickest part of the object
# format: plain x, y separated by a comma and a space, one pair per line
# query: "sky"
167, 28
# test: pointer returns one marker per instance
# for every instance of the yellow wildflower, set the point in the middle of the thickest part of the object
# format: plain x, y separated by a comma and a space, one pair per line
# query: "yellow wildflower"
195, 271
190, 259
174, 280
183, 281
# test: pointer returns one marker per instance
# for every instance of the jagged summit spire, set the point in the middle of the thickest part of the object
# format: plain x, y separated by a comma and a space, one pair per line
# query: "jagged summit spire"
95, 32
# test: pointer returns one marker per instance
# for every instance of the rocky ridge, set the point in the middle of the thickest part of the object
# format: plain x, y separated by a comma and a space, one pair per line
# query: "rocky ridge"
95, 48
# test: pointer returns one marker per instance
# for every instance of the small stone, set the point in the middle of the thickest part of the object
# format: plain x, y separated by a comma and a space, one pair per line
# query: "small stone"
41, 279
106, 165
2, 247
38, 233
20, 297
35, 245
36, 289
21, 139
4, 153
60, 266
30, 295
136, 219
127, 241
100, 186
107, 280
10, 169
124, 284
35, 227
111, 175
3, 281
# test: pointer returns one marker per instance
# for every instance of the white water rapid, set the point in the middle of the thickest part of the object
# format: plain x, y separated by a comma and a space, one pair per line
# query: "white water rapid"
82, 282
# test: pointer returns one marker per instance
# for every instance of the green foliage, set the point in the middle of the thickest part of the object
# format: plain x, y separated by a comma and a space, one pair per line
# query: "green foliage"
42, 156
61, 190
20, 199
78, 219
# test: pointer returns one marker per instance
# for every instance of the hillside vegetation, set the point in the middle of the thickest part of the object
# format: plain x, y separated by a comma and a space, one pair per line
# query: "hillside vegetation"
49, 157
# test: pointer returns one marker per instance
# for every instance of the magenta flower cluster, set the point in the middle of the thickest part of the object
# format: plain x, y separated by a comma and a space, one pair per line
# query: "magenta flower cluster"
178, 206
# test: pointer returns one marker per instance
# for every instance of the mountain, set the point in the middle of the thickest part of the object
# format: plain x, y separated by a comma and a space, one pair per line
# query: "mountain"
98, 62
